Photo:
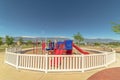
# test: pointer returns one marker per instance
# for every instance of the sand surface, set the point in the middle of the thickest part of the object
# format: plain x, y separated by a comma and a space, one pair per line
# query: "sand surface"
8, 72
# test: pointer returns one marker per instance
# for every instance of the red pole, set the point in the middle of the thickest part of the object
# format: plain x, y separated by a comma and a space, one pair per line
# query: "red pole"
36, 46
33, 48
43, 46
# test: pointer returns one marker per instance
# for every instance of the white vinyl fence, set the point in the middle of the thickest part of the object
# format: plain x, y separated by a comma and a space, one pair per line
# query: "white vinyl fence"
50, 63
15, 49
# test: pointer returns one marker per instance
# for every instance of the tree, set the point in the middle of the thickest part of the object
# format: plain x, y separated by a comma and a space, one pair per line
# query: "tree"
29, 42
20, 40
48, 41
97, 44
116, 27
78, 37
9, 40
1, 41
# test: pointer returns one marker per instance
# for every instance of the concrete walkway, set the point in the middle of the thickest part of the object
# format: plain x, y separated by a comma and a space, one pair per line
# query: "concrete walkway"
8, 72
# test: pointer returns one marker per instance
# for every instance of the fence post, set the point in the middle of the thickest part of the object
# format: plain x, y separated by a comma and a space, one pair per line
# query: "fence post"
82, 63
5, 55
106, 63
46, 63
17, 61
114, 56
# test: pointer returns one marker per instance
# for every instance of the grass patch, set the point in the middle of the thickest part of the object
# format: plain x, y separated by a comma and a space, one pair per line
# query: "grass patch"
2, 50
27, 46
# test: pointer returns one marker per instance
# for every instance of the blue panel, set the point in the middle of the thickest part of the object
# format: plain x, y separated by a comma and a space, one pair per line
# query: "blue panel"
68, 44
51, 45
59, 43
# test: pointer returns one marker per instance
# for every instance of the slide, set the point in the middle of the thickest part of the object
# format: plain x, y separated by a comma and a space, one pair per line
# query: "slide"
80, 50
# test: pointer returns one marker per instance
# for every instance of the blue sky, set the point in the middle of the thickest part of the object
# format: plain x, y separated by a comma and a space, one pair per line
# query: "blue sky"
92, 18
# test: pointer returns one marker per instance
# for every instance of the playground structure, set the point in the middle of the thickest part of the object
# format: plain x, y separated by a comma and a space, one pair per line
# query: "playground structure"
57, 48
59, 57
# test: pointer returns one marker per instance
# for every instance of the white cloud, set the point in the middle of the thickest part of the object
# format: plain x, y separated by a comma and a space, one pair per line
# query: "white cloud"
29, 36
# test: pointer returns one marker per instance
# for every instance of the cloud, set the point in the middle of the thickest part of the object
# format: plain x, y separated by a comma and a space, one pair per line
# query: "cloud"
60, 36
29, 36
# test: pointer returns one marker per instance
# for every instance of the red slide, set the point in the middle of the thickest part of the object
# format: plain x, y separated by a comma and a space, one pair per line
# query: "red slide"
80, 50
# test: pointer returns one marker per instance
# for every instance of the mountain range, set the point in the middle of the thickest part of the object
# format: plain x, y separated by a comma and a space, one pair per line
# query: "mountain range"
99, 40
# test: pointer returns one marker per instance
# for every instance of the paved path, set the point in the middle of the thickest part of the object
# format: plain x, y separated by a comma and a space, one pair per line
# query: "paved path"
8, 72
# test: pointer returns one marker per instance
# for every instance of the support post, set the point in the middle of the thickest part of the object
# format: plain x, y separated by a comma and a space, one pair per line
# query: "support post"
82, 63
36, 46
17, 60
46, 61
5, 55
33, 48
106, 64
114, 56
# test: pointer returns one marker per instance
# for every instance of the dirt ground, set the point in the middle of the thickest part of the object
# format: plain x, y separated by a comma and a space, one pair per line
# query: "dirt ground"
74, 51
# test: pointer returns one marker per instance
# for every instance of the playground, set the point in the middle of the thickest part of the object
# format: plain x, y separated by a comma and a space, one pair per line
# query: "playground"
10, 73
66, 47
56, 48
58, 57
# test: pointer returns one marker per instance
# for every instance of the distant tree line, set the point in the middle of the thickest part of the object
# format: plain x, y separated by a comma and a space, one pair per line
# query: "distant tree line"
1, 42
9, 41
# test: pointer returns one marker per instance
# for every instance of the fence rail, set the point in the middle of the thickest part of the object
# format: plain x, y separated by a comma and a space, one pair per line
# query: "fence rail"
49, 63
